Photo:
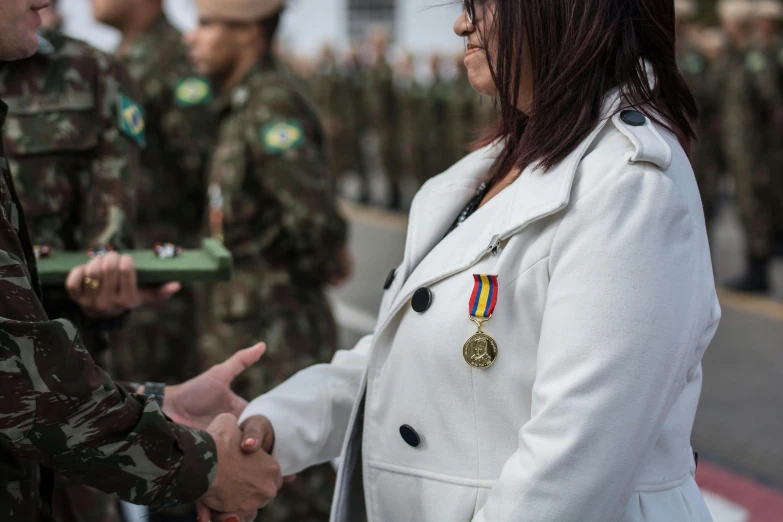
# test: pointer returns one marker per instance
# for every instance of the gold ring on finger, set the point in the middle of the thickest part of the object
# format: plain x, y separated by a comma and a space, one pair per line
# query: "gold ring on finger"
92, 284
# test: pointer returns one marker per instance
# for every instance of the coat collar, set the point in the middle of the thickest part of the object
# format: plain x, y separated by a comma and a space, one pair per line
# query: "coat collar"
429, 257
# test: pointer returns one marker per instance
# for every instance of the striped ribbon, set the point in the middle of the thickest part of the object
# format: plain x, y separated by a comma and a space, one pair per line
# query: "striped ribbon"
484, 297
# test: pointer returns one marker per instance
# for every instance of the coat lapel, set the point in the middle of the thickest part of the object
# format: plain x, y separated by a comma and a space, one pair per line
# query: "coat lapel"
429, 257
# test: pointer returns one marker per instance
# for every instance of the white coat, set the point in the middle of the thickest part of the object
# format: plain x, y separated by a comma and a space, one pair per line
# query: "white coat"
606, 306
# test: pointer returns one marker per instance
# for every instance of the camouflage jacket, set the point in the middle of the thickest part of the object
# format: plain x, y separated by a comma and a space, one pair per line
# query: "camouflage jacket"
74, 166
268, 179
178, 136
59, 412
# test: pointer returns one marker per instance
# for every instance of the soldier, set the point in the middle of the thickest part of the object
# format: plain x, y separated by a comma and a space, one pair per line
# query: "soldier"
159, 343
698, 71
442, 153
62, 414
355, 121
74, 161
463, 106
744, 147
270, 203
382, 110
414, 121
768, 50
327, 89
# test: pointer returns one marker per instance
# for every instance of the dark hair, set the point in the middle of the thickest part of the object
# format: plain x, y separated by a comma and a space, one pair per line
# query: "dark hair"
580, 50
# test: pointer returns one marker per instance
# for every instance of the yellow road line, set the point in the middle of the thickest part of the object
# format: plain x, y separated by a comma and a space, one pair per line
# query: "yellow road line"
753, 304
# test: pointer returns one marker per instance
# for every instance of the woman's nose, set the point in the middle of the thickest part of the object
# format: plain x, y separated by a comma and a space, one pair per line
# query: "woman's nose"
463, 27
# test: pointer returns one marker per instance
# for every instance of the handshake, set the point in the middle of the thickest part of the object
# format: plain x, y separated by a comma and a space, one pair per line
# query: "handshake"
248, 477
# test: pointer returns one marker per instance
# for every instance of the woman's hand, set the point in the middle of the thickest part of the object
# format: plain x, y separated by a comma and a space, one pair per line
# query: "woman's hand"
107, 287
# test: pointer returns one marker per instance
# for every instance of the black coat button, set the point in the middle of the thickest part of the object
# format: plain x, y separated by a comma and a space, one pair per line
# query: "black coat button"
633, 118
390, 279
410, 436
422, 300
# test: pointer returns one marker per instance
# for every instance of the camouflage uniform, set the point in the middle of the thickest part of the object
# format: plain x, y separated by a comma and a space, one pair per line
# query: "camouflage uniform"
463, 109
766, 65
159, 342
415, 126
327, 94
74, 171
382, 108
270, 202
60, 413
706, 156
355, 122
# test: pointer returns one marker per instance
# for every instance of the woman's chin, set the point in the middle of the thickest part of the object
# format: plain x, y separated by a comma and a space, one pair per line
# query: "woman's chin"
483, 85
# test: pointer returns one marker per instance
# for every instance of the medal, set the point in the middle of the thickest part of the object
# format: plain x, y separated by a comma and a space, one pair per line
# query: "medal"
481, 350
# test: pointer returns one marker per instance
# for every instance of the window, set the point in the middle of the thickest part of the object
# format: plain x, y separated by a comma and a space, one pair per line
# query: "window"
364, 14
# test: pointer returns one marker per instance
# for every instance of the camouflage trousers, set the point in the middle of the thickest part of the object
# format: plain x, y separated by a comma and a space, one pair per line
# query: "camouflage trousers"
299, 330
160, 343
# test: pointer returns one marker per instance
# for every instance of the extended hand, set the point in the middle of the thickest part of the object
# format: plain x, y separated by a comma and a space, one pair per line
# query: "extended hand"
107, 286
197, 402
244, 482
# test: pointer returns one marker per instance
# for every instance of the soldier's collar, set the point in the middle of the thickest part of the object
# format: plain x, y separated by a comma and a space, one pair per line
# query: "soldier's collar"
45, 47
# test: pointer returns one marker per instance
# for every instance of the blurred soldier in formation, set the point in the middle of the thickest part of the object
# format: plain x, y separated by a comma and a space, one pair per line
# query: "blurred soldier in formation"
700, 74
74, 158
464, 104
443, 153
767, 63
743, 142
414, 120
354, 119
160, 341
382, 109
329, 95
270, 203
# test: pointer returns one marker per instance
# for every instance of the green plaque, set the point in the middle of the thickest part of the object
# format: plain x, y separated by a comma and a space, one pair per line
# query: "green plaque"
211, 263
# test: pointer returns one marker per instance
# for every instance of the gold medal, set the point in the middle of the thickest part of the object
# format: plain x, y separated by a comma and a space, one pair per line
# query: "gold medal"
481, 350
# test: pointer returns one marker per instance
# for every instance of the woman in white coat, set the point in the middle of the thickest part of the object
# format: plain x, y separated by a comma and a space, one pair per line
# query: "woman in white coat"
579, 229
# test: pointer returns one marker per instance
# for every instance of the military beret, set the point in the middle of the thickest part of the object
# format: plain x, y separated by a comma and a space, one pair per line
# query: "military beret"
238, 10
769, 9
739, 10
684, 9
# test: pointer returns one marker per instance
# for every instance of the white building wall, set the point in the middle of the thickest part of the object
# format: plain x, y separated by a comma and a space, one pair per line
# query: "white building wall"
423, 26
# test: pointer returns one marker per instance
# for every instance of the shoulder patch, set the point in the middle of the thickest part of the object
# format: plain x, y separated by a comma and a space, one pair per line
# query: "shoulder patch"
282, 136
193, 91
131, 120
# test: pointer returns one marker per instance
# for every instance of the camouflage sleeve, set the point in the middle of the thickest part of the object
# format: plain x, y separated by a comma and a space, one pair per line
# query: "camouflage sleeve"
59, 409
300, 220
109, 195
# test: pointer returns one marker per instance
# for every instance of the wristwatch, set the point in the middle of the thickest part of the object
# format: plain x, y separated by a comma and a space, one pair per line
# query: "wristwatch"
155, 390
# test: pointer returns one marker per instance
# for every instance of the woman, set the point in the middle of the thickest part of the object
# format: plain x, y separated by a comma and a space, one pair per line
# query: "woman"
580, 225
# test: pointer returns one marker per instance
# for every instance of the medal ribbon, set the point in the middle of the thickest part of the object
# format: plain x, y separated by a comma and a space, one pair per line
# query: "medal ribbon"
485, 296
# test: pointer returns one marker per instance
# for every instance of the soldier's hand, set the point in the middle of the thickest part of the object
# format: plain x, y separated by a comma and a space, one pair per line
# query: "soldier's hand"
243, 482
107, 286
196, 403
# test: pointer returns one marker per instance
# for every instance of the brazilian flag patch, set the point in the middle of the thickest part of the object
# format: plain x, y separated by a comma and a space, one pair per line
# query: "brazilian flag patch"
131, 121
193, 91
282, 136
